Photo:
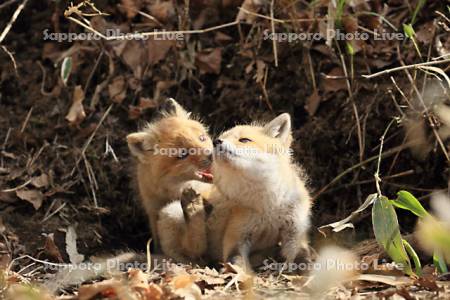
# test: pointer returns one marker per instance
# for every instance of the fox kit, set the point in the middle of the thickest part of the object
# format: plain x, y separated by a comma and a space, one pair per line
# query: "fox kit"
258, 195
173, 153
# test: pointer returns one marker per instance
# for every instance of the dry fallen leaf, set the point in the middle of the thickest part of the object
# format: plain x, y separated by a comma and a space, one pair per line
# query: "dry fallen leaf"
312, 103
425, 33
186, 288
158, 49
131, 7
40, 181
35, 197
145, 103
386, 279
209, 61
76, 112
134, 55
117, 89
162, 10
51, 249
252, 6
109, 287
260, 71
7, 197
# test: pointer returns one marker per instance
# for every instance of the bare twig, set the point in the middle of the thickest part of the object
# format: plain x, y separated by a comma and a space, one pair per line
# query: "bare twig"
7, 3
355, 109
97, 61
377, 173
414, 66
44, 76
27, 118
153, 33
11, 56
279, 20
365, 162
442, 15
12, 20
422, 102
17, 187
88, 142
274, 41
148, 16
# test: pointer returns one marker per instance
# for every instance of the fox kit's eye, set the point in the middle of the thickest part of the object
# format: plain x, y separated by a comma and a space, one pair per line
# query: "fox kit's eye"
183, 155
244, 140
202, 138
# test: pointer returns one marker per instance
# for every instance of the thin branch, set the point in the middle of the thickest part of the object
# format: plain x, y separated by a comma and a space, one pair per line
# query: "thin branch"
274, 42
365, 162
7, 3
377, 173
279, 20
88, 142
414, 66
153, 33
11, 56
13, 19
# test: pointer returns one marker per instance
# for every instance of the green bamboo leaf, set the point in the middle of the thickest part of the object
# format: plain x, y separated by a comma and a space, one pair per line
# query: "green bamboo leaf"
387, 232
66, 69
418, 8
412, 253
439, 262
405, 200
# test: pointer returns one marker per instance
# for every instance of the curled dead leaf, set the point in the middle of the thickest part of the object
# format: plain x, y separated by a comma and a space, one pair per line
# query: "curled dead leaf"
76, 112
51, 249
158, 49
40, 181
35, 197
117, 89
134, 55
209, 61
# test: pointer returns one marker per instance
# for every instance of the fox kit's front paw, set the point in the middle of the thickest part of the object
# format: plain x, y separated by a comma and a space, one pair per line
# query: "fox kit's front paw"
191, 203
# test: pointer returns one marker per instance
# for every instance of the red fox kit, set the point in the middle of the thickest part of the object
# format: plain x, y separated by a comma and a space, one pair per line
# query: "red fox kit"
173, 152
258, 195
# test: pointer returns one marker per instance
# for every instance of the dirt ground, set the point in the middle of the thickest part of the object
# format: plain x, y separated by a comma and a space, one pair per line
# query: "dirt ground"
64, 164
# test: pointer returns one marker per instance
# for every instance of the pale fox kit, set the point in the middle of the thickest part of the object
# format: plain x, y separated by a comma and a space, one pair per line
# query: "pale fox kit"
173, 152
258, 195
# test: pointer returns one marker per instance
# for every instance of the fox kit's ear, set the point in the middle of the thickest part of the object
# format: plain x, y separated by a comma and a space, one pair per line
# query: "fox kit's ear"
171, 108
140, 144
280, 128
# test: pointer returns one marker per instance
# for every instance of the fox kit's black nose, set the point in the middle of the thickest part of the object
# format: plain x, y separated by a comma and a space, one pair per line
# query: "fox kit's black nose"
217, 142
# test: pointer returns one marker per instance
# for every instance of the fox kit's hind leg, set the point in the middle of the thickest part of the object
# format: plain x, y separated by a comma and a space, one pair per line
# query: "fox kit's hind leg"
294, 236
182, 227
237, 237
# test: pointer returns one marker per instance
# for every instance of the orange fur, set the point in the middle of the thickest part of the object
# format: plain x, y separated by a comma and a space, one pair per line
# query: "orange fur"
161, 172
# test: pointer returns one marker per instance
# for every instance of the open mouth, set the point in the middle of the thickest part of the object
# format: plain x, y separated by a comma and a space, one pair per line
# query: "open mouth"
205, 175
